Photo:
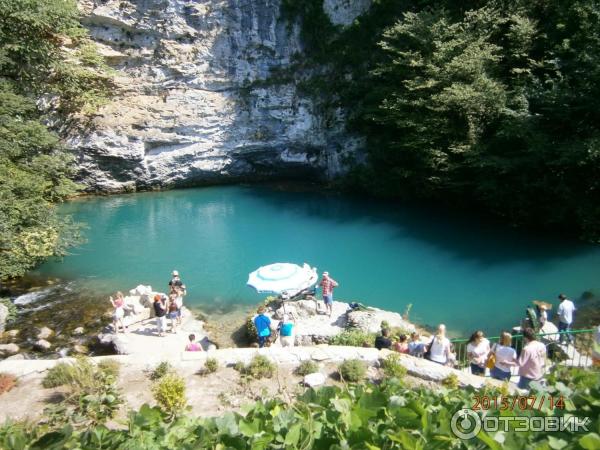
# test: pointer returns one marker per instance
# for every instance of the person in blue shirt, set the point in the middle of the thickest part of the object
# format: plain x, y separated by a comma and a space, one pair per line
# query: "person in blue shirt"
263, 326
286, 331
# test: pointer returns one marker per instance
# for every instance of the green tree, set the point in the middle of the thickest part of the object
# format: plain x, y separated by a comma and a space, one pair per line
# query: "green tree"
48, 73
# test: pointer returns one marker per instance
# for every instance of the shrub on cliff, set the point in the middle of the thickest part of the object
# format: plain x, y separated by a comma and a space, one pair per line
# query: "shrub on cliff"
307, 367
169, 393
391, 366
352, 370
259, 367
354, 338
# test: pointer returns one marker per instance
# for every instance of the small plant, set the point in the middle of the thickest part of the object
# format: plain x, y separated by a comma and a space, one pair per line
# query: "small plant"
353, 338
7, 382
451, 381
211, 365
392, 367
352, 370
59, 375
259, 367
169, 393
110, 367
161, 370
306, 367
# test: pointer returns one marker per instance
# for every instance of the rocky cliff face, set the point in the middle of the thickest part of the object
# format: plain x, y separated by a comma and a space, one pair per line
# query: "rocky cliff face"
206, 92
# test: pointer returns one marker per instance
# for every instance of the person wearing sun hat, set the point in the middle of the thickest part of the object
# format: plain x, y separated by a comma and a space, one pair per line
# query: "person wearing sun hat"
327, 284
176, 284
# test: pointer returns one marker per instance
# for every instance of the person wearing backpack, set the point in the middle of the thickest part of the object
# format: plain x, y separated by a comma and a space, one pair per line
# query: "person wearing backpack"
505, 358
438, 349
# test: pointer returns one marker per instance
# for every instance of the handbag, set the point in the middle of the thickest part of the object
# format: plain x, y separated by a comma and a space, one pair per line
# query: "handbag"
491, 361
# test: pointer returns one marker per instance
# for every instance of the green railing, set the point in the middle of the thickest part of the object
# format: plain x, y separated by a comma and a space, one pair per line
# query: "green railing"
578, 354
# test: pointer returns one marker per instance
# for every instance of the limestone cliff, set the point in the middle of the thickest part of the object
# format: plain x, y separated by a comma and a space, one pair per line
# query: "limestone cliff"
206, 91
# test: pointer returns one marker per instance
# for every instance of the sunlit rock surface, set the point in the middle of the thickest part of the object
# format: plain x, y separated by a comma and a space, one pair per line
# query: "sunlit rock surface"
207, 91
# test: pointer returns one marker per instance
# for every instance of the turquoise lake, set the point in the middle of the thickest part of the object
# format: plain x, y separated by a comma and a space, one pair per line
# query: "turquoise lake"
462, 271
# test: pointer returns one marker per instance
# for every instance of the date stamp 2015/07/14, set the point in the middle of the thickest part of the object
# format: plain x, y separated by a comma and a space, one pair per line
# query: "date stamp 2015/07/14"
518, 402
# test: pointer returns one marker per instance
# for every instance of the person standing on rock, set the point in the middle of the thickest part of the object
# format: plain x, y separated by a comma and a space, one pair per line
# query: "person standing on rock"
160, 311
286, 331
176, 283
263, 326
173, 312
532, 360
566, 308
119, 312
328, 284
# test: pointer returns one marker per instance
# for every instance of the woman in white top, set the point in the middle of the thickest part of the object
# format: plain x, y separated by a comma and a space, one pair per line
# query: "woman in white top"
478, 350
439, 348
506, 357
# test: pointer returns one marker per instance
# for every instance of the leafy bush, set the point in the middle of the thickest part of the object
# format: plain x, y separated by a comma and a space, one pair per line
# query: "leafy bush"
92, 396
259, 367
211, 365
169, 393
388, 415
451, 381
354, 338
7, 382
391, 366
352, 370
161, 370
306, 367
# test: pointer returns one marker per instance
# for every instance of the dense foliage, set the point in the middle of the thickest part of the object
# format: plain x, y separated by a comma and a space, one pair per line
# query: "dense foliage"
488, 103
46, 63
388, 416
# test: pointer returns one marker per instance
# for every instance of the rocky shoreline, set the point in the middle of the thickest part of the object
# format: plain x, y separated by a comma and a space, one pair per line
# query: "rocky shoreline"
313, 327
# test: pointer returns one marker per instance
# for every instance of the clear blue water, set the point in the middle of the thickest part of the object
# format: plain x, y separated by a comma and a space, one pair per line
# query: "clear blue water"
459, 270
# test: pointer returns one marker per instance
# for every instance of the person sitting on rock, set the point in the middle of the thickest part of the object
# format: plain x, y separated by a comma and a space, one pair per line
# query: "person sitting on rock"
383, 340
401, 346
193, 346
416, 347
263, 326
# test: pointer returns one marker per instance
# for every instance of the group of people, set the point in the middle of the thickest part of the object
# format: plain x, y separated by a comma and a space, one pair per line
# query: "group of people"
165, 307
499, 358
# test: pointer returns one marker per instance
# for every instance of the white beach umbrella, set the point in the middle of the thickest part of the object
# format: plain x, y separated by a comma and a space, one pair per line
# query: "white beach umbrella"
282, 278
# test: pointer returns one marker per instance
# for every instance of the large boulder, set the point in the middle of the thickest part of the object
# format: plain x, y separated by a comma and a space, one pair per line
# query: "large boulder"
314, 379
370, 320
8, 350
117, 342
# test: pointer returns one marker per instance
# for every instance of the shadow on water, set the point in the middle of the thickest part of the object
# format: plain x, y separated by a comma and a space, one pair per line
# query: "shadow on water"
467, 237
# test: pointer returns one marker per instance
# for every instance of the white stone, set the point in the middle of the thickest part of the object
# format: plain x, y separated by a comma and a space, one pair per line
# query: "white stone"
78, 331
314, 379
8, 349
44, 333
42, 344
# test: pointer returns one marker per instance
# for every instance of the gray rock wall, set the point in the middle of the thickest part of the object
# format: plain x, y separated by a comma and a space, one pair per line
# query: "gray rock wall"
205, 92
